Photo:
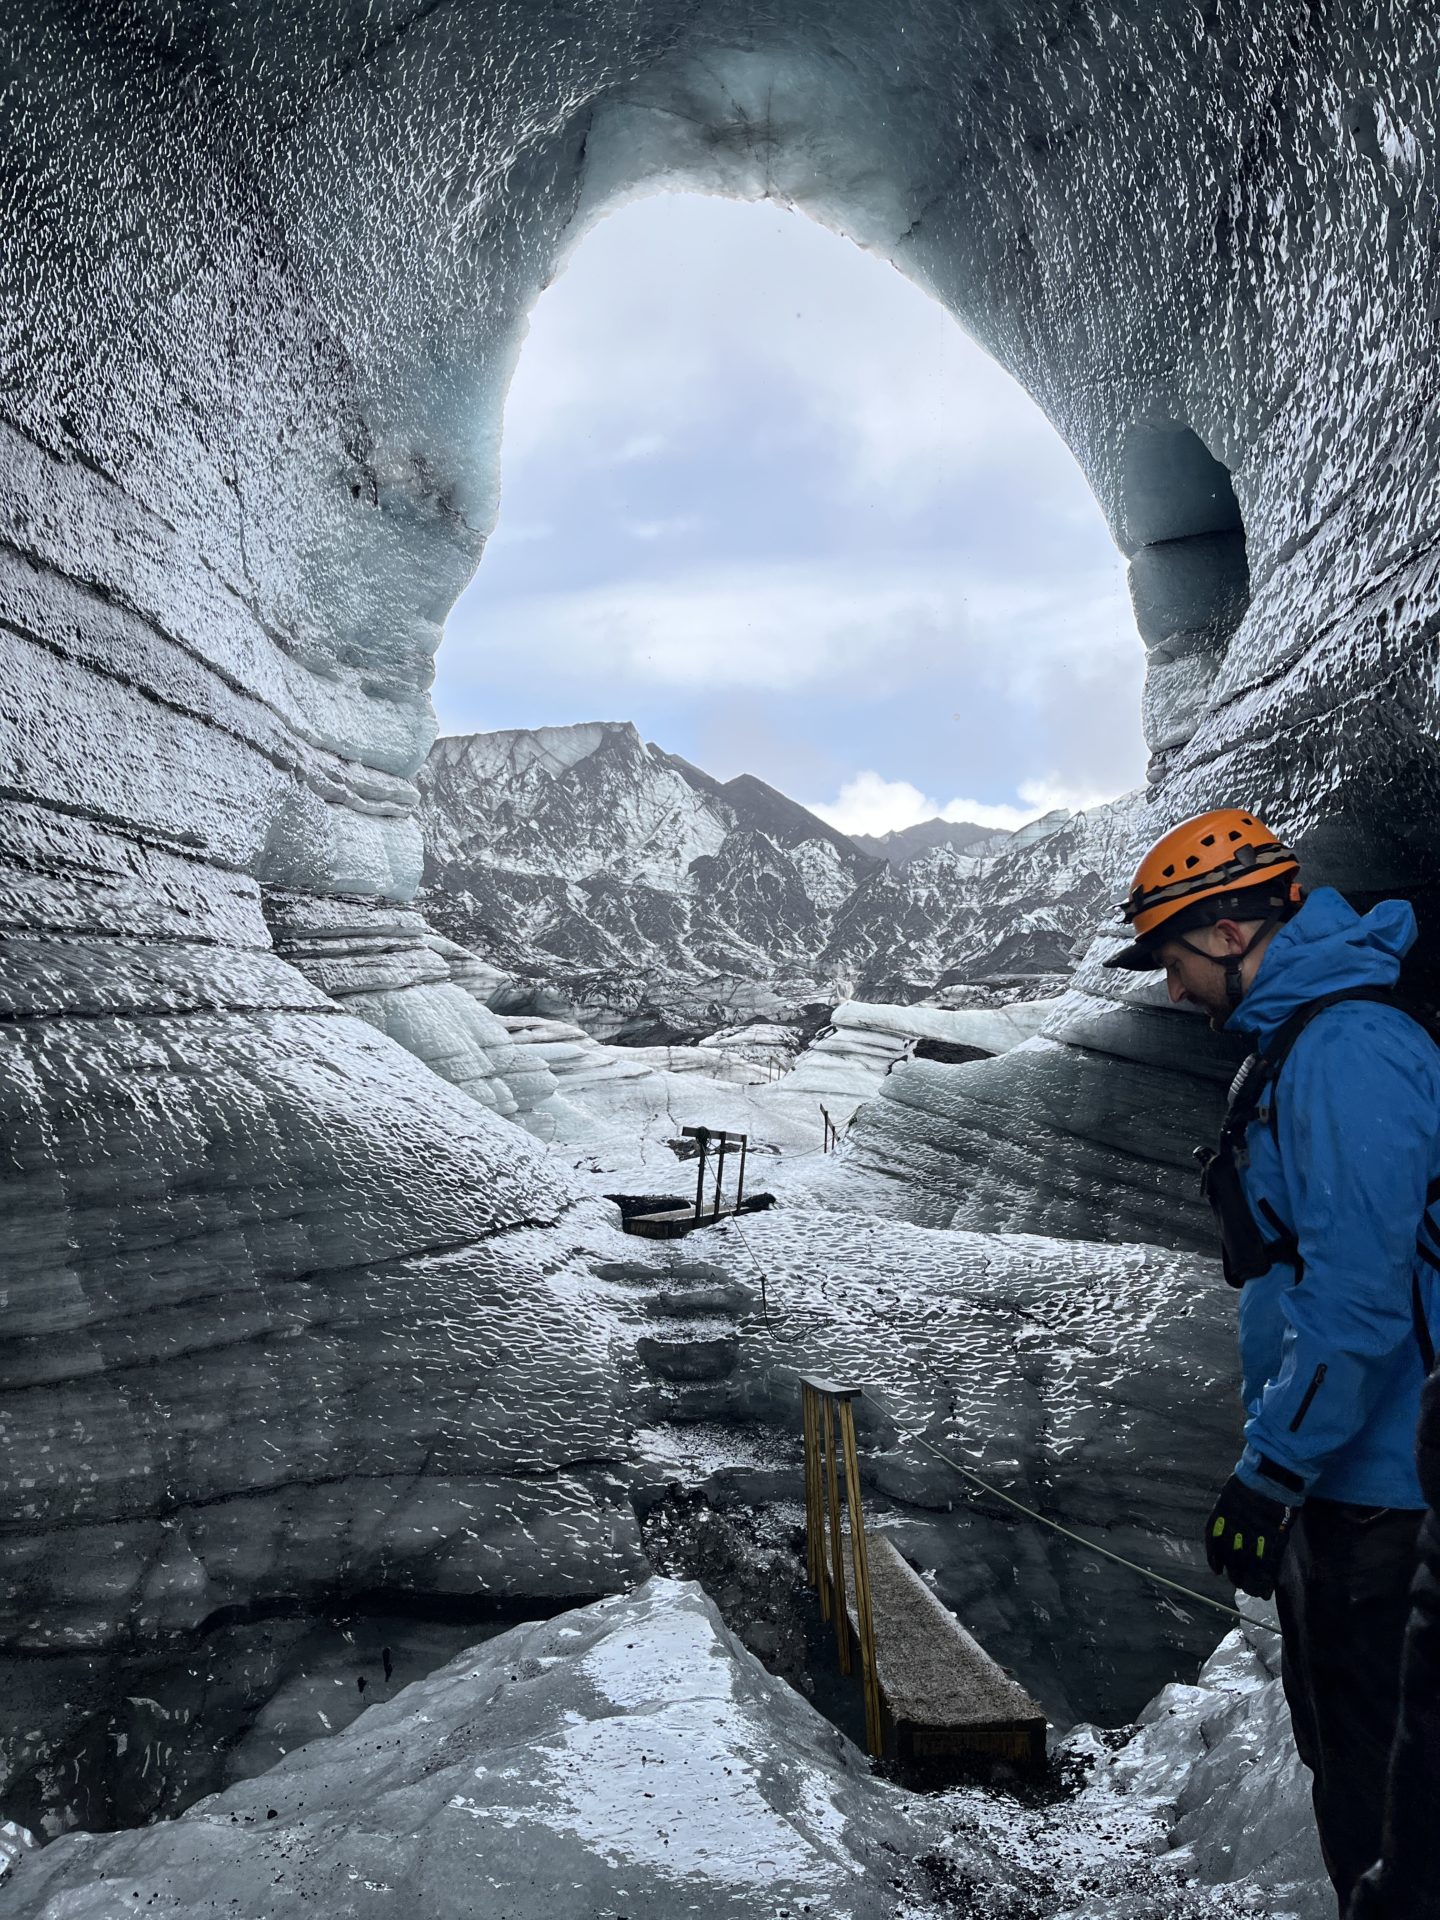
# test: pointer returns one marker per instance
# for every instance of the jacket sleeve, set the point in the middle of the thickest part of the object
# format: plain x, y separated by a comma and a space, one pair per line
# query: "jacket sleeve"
1357, 1118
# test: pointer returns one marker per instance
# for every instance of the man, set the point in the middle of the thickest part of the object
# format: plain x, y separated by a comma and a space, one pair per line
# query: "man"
1322, 1181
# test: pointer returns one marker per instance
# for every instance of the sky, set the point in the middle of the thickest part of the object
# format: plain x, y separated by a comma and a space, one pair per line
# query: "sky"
764, 498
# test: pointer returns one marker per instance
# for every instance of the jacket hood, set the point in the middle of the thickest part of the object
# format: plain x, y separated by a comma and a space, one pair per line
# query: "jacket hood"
1326, 947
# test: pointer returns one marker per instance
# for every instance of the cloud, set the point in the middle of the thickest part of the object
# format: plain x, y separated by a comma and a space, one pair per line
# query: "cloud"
674, 299
906, 666
638, 446
1044, 796
871, 804
671, 529
761, 628
769, 626
796, 523
515, 533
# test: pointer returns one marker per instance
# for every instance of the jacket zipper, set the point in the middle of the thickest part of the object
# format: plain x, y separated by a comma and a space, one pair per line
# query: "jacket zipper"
1310, 1393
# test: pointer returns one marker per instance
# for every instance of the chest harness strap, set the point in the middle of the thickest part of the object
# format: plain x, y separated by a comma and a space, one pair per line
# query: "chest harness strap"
1245, 1250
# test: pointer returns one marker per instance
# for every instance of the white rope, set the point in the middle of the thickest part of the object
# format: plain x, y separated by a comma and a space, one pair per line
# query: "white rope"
997, 1493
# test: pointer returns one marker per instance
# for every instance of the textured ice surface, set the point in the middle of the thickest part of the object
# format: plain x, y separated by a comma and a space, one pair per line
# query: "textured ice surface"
248, 446
764, 1043
624, 1104
1220, 1754
264, 274
481, 1425
849, 1063
632, 1758
998, 1144
1095, 1381
1091, 1382
1205, 1791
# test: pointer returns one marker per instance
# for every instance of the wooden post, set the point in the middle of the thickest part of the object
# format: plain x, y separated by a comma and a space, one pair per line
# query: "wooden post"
837, 1545
860, 1562
702, 1138
720, 1170
814, 1548
740, 1187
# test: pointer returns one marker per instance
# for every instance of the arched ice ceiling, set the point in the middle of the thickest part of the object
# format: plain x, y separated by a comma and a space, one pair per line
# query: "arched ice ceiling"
270, 268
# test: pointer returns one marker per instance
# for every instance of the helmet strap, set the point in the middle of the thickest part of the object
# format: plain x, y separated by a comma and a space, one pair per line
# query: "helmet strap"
1233, 962
1234, 986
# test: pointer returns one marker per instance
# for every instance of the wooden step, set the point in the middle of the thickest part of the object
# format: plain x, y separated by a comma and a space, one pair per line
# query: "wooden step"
674, 1224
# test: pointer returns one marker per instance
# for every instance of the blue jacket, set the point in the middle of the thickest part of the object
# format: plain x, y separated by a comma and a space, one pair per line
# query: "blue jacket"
1332, 1365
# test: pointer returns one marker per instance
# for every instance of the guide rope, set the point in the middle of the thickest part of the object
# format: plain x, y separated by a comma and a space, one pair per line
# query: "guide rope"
998, 1493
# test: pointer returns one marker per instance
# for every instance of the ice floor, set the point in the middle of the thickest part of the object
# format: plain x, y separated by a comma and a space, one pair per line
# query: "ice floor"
1093, 1381
959, 1333
631, 1761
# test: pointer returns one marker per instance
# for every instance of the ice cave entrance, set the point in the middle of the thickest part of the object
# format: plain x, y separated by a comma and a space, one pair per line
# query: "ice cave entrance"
765, 499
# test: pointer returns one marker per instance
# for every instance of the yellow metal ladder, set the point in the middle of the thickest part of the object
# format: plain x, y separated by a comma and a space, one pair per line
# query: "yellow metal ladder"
827, 1409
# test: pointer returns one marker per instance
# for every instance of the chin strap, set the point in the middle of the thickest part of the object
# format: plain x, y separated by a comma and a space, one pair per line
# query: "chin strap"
1233, 962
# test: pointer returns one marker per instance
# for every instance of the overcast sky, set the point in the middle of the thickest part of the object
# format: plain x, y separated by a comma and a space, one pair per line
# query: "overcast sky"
764, 498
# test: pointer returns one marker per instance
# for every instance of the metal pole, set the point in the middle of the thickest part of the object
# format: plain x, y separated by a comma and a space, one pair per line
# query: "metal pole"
720, 1170
702, 1138
837, 1549
740, 1188
860, 1559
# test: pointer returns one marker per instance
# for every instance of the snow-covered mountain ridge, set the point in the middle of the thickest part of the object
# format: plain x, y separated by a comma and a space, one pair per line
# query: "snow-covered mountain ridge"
611, 877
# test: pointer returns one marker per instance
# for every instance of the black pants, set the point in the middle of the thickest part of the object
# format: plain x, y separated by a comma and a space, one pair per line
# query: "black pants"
1344, 1598
1406, 1884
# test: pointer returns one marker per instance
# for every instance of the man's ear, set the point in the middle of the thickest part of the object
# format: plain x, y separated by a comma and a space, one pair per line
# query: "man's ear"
1233, 936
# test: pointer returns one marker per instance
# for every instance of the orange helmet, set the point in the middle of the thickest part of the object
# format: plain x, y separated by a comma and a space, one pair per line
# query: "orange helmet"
1224, 864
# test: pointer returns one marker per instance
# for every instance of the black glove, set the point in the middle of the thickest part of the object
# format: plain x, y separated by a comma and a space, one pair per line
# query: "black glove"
1245, 1538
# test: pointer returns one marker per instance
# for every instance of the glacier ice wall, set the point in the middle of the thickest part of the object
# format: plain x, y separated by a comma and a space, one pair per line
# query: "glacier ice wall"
265, 272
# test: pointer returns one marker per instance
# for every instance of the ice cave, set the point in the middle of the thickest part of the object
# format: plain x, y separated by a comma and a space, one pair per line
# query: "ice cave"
302, 1324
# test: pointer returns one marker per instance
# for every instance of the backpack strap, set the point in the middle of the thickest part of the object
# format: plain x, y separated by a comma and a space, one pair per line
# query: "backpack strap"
1277, 1054
1279, 1049
1429, 1254
1246, 1252
1417, 1314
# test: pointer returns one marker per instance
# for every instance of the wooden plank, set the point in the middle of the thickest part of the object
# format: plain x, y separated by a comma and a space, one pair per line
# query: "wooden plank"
945, 1698
674, 1223
819, 1384
661, 1226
